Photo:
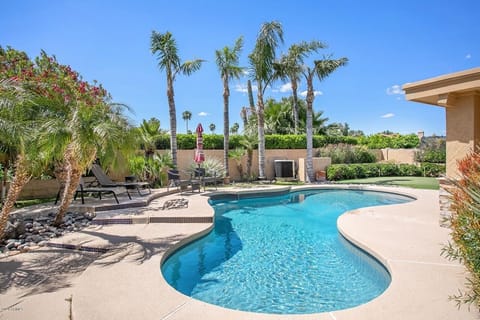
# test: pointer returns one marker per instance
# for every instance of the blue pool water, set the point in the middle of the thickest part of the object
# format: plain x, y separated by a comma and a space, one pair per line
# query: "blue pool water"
281, 254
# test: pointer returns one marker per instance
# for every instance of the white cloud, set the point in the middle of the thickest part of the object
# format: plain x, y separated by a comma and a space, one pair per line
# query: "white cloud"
388, 115
468, 56
315, 93
243, 88
395, 89
203, 114
287, 87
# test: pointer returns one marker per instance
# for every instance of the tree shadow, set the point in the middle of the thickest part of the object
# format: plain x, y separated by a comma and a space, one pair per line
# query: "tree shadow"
48, 269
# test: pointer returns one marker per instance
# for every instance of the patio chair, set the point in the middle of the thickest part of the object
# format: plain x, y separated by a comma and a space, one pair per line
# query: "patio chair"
83, 189
106, 182
175, 181
201, 176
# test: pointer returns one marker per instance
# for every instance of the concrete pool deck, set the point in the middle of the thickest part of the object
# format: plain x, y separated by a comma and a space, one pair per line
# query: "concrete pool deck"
123, 281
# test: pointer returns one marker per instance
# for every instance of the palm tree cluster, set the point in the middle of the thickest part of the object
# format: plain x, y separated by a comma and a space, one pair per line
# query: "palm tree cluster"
265, 67
51, 118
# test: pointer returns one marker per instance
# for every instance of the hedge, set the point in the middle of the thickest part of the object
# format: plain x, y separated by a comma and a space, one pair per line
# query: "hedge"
290, 141
336, 172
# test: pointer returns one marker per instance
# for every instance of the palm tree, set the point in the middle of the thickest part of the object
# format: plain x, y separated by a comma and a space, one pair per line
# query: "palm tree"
150, 131
18, 132
322, 69
212, 127
227, 62
165, 47
90, 132
186, 116
290, 67
261, 63
235, 127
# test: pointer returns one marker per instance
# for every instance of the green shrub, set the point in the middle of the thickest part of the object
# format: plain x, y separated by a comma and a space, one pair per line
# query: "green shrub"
344, 153
380, 141
336, 172
432, 169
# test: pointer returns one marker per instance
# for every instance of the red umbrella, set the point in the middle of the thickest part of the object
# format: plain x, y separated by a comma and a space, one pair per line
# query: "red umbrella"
199, 155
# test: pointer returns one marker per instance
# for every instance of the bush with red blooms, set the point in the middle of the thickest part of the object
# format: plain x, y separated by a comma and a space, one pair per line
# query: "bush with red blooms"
465, 227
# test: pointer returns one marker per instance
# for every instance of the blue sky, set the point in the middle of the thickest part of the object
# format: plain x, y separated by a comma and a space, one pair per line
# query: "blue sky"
388, 44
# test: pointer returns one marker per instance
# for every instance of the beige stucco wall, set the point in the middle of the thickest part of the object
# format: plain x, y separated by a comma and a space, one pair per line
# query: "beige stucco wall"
185, 160
319, 164
463, 130
398, 155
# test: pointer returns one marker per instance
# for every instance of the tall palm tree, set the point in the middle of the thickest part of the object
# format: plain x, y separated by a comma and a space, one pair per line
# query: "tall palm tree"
261, 63
227, 60
165, 47
186, 116
321, 69
290, 67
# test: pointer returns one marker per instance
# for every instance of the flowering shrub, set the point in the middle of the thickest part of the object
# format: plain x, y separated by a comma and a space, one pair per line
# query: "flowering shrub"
465, 227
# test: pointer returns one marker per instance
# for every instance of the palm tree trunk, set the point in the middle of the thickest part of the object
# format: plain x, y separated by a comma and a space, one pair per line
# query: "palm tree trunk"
173, 119
226, 125
71, 185
22, 176
250, 97
295, 105
309, 125
261, 134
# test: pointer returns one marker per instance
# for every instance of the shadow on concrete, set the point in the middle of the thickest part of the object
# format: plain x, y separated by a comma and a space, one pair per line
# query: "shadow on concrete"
49, 269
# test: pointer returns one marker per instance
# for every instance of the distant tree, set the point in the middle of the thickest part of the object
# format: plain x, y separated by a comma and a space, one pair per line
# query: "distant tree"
356, 133
234, 129
165, 47
290, 67
279, 117
186, 116
227, 60
212, 127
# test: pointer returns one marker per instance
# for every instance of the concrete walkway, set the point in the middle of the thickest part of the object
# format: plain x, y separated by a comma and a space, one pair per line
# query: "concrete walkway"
122, 279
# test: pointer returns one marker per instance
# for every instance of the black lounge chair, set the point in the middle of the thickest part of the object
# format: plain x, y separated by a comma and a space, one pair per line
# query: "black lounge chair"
82, 189
175, 181
106, 182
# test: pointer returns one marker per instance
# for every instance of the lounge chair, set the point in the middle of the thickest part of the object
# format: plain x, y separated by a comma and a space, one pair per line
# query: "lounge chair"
174, 180
106, 182
82, 189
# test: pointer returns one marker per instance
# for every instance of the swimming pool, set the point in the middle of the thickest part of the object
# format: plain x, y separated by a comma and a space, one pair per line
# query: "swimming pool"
281, 254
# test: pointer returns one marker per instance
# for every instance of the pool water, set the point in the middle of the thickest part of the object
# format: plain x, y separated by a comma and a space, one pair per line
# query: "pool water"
282, 255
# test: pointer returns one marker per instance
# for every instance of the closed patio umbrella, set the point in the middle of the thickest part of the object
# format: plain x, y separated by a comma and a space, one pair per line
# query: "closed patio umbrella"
199, 155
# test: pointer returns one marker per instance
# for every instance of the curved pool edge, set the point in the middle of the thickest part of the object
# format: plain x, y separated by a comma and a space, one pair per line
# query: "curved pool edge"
394, 303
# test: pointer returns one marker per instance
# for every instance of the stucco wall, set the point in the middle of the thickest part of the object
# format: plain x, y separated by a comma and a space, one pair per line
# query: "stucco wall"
397, 155
185, 159
462, 130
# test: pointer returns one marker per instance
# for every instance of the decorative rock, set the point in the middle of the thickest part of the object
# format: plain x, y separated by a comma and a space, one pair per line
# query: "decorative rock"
36, 238
42, 243
11, 246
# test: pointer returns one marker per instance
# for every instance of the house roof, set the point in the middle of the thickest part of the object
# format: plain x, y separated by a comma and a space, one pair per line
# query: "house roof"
442, 90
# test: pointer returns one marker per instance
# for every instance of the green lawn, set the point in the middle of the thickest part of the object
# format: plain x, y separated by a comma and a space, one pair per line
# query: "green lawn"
412, 182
